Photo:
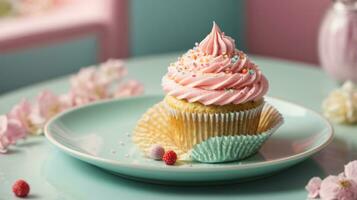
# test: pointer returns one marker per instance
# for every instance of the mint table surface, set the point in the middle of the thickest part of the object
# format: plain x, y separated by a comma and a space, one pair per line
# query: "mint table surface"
54, 175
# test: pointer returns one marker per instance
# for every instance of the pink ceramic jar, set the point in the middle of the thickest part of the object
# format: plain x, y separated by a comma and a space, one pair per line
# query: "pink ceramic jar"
338, 41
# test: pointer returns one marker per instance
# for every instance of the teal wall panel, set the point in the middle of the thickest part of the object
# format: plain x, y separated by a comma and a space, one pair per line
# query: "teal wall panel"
158, 26
31, 65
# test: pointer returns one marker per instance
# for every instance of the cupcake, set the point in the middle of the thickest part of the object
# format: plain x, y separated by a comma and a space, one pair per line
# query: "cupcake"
213, 90
214, 109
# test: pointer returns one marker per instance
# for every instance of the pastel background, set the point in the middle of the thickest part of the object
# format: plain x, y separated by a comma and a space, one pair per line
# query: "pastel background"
285, 29
59, 42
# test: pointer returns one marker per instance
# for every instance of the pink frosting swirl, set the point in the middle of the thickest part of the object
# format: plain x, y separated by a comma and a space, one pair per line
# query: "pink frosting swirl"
215, 73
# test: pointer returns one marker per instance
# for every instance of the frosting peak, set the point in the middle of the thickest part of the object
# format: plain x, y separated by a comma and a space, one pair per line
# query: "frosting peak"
216, 43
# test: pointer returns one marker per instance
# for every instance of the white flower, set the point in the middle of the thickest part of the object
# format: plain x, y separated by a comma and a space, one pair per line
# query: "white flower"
341, 105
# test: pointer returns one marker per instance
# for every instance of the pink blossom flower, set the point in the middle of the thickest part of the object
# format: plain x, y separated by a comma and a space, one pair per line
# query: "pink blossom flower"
130, 88
351, 170
20, 112
28, 116
96, 83
14, 131
48, 104
112, 70
313, 187
338, 188
88, 86
10, 131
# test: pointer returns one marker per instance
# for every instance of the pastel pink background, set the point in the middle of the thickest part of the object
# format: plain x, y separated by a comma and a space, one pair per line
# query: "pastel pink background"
278, 28
285, 28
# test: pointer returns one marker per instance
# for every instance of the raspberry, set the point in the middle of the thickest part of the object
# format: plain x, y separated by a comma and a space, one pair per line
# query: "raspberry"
21, 188
169, 157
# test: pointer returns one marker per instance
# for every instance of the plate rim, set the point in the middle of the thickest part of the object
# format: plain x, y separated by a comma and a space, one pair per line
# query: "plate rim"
88, 157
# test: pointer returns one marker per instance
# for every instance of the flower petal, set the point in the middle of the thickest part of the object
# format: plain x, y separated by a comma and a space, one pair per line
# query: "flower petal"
313, 187
351, 170
3, 124
112, 70
329, 188
21, 112
48, 104
15, 131
4, 143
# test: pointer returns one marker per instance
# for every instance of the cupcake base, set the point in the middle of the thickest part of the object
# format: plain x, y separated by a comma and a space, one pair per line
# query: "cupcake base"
193, 123
154, 128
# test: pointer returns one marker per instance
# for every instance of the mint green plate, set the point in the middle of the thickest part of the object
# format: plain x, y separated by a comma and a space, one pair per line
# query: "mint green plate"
100, 134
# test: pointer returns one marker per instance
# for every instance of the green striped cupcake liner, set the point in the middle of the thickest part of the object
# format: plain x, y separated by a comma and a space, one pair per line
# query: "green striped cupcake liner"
233, 148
